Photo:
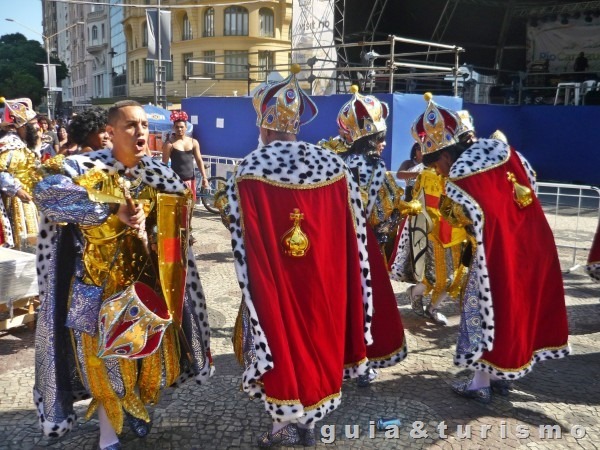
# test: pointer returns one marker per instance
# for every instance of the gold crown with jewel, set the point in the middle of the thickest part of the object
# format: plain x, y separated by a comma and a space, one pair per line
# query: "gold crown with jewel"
18, 112
437, 127
283, 106
362, 116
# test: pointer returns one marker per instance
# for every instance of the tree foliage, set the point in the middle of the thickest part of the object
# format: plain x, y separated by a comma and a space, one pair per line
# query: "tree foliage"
20, 76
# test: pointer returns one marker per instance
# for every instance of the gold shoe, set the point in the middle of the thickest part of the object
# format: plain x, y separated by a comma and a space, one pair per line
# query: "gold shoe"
288, 435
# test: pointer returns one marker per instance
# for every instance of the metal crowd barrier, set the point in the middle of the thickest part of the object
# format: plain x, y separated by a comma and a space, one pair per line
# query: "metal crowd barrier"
573, 212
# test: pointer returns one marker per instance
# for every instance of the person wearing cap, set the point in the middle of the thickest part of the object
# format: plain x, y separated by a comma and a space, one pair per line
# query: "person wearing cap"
513, 313
19, 158
298, 237
103, 328
437, 270
361, 124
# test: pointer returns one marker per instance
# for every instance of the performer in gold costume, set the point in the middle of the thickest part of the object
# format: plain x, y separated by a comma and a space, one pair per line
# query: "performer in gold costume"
103, 329
18, 163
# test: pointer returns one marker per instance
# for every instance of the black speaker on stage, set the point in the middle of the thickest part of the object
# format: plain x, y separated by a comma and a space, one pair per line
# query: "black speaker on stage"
592, 98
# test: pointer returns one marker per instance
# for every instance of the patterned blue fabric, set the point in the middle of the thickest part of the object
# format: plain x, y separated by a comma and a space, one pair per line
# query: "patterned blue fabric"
470, 333
61, 200
9, 185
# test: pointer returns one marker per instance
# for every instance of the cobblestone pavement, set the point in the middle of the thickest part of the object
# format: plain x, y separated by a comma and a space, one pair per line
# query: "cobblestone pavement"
218, 415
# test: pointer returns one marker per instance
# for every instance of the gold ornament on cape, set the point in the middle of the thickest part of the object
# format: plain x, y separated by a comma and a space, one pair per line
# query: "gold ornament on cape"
522, 194
295, 242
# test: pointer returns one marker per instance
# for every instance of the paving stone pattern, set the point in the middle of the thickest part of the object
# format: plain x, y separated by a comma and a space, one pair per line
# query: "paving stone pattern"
218, 415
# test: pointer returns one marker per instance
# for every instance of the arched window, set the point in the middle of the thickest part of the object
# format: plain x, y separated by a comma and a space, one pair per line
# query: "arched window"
94, 33
236, 21
145, 35
186, 29
209, 22
267, 22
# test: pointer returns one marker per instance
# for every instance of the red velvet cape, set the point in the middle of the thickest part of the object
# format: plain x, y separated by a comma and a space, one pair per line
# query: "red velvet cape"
524, 271
310, 307
386, 327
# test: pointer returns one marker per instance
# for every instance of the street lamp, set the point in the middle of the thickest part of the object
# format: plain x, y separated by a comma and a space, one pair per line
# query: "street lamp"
47, 45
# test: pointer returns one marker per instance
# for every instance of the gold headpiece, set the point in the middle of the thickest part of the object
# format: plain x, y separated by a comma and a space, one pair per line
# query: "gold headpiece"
436, 128
18, 112
500, 136
466, 122
290, 103
362, 116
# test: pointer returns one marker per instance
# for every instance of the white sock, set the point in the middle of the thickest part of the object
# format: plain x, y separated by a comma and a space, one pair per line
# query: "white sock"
107, 432
480, 380
417, 289
278, 426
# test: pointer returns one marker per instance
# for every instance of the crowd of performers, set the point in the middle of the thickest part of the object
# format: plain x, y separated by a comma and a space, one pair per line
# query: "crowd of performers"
123, 314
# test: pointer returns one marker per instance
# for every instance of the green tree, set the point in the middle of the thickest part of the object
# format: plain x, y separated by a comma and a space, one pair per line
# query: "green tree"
20, 76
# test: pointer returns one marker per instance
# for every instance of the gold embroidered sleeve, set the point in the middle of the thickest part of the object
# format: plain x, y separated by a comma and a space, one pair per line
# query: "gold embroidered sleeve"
222, 203
453, 212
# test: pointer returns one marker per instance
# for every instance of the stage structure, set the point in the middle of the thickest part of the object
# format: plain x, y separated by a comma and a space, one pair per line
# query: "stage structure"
312, 43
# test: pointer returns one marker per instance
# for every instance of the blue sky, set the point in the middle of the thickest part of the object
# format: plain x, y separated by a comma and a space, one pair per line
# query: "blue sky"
27, 12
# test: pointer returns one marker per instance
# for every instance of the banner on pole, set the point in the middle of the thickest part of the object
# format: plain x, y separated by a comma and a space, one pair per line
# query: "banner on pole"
165, 34
312, 26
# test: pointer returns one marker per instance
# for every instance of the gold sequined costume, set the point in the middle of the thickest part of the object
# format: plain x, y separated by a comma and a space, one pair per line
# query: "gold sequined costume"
18, 171
102, 256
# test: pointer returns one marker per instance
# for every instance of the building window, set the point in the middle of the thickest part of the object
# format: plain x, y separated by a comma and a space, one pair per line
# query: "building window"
103, 32
94, 33
267, 22
236, 65
209, 22
186, 64
132, 64
137, 71
265, 64
209, 69
148, 71
236, 21
145, 35
168, 69
186, 33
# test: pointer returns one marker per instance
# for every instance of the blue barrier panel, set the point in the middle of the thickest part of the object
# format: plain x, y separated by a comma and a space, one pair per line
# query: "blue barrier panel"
560, 142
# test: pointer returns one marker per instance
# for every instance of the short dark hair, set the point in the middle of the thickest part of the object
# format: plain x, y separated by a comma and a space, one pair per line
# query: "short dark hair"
92, 120
454, 151
42, 118
114, 110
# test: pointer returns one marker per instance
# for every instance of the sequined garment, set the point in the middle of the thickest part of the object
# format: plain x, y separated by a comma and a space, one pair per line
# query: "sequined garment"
18, 171
91, 244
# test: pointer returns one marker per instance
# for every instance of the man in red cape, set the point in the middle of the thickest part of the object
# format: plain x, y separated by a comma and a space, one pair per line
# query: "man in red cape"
513, 311
298, 238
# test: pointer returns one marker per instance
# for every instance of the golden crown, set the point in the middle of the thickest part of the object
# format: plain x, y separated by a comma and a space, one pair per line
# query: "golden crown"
436, 128
466, 122
362, 116
18, 112
280, 106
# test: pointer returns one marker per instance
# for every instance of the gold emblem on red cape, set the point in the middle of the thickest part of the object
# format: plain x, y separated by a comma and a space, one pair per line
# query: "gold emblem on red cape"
295, 242
173, 215
523, 195
132, 323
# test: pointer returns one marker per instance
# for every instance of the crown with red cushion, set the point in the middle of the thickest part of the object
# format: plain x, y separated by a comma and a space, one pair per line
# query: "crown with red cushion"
362, 116
283, 106
436, 128
178, 116
18, 112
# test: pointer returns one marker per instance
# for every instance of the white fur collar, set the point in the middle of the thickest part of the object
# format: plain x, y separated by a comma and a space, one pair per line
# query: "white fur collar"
483, 154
